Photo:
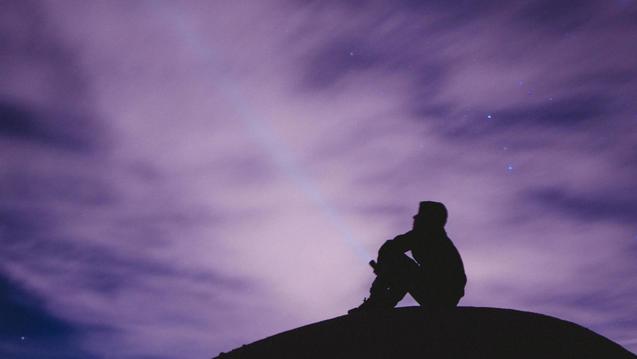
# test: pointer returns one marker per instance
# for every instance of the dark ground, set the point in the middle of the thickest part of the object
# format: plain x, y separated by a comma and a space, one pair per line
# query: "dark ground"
468, 332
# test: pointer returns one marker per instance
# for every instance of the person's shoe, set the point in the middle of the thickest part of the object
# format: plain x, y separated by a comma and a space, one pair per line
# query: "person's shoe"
369, 306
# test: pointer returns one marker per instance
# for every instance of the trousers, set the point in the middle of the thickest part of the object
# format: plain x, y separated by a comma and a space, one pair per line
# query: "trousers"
397, 274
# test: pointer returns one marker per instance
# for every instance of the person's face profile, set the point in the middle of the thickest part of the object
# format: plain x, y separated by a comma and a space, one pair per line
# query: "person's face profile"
416, 222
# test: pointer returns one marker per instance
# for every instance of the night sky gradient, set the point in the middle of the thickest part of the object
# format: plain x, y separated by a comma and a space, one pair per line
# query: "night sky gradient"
181, 178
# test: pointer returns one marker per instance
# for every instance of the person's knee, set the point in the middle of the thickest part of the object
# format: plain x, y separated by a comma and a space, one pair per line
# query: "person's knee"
399, 265
387, 251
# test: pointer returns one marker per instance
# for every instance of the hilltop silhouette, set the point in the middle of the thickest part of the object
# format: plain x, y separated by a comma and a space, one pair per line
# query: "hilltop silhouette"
436, 279
465, 332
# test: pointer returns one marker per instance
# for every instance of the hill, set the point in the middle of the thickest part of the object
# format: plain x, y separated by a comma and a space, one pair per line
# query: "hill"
467, 332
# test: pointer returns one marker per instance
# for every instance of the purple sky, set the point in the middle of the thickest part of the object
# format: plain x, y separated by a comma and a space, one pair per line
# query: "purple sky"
180, 178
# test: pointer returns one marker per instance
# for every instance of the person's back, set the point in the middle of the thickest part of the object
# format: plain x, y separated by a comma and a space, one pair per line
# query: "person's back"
441, 265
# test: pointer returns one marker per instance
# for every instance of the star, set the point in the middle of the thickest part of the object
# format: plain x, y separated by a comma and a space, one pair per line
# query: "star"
489, 116
351, 53
510, 167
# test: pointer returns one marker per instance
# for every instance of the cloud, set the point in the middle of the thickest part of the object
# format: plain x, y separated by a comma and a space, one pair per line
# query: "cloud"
559, 16
201, 175
595, 207
27, 329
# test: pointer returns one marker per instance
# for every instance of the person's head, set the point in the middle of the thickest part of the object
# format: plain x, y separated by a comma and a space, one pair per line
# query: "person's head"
431, 215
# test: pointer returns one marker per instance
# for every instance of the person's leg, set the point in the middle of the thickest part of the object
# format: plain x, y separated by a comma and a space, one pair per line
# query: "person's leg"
388, 288
383, 294
381, 298
400, 275
396, 275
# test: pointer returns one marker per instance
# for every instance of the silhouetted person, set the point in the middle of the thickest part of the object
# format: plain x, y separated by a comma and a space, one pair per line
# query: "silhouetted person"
436, 279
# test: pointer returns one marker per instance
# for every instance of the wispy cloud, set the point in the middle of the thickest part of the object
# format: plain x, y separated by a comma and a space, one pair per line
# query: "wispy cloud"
182, 178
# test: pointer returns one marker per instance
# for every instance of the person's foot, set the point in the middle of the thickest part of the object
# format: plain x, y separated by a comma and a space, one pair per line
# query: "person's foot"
369, 306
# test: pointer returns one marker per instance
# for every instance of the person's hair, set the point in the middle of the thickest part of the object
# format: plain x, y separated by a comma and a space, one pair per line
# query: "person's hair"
434, 213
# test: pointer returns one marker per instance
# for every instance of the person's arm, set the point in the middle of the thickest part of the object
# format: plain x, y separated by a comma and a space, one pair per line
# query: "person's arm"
399, 245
